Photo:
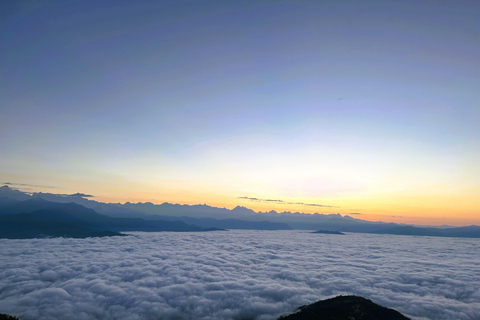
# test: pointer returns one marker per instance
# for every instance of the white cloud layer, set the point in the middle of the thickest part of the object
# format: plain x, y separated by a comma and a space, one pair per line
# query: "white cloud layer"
235, 275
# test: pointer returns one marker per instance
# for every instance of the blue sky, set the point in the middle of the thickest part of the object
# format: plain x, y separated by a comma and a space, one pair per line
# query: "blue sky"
207, 101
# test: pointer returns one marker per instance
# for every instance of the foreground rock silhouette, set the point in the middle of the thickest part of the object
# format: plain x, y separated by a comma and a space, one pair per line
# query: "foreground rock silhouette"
345, 308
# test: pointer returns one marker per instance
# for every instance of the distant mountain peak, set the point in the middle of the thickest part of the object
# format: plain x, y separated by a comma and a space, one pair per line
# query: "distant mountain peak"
7, 192
242, 210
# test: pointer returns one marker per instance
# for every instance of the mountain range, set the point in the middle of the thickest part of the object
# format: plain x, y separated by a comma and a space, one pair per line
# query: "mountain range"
38, 217
116, 217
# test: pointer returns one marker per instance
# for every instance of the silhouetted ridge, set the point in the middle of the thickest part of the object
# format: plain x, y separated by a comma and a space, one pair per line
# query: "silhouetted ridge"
7, 317
345, 308
205, 216
52, 222
40, 218
328, 232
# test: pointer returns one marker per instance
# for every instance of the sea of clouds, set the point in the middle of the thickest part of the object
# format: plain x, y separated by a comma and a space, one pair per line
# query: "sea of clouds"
236, 275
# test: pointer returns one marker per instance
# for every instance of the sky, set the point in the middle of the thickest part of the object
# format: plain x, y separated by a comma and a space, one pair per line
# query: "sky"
368, 107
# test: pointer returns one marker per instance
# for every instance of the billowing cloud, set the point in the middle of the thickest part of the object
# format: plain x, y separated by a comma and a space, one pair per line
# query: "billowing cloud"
286, 202
235, 275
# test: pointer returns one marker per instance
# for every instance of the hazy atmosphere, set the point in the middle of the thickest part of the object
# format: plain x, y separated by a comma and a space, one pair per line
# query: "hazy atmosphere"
367, 107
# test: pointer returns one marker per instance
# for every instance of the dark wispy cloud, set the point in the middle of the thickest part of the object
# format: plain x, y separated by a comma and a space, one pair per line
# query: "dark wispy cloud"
316, 205
356, 213
235, 275
26, 185
287, 202
25, 189
81, 195
251, 199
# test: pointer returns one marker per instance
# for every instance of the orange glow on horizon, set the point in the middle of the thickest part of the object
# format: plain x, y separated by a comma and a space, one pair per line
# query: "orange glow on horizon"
428, 208
386, 210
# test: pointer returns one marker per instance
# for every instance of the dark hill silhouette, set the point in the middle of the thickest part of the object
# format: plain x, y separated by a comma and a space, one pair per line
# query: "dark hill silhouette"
39, 218
345, 308
328, 232
48, 223
7, 317
73, 209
